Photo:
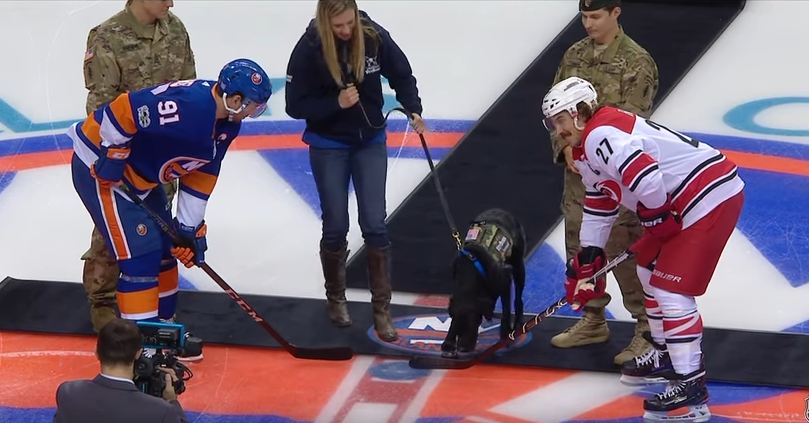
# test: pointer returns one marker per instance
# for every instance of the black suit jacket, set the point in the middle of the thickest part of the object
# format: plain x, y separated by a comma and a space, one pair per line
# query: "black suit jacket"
107, 400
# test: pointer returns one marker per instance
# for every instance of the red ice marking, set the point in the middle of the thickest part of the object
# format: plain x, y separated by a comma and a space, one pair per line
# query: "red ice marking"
230, 380
36, 160
389, 396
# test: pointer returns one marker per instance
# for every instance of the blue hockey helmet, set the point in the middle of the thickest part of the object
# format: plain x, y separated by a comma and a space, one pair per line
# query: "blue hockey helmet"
245, 77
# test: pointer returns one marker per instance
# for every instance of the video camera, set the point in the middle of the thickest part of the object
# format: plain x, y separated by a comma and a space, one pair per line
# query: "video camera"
167, 340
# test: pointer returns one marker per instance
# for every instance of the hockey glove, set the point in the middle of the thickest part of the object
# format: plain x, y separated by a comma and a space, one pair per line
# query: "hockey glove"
192, 250
109, 168
661, 223
579, 289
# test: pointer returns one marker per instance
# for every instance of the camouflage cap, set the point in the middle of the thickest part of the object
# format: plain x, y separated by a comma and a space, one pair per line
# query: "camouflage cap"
592, 5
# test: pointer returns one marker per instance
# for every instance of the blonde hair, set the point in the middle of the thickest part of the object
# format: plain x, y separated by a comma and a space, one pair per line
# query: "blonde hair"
326, 9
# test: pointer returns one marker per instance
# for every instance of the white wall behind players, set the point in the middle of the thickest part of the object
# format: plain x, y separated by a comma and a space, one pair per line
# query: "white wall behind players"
762, 56
464, 53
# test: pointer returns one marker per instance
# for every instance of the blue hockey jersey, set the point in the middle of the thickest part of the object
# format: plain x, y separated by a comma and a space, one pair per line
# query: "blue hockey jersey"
171, 132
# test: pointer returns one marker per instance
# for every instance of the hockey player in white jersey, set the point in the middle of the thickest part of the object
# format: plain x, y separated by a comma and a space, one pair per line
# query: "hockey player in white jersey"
688, 197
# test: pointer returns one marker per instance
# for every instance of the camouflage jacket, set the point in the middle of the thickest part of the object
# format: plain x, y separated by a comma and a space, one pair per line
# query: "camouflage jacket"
124, 55
624, 75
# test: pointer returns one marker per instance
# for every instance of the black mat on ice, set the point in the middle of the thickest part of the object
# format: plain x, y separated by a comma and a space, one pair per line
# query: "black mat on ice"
732, 356
505, 160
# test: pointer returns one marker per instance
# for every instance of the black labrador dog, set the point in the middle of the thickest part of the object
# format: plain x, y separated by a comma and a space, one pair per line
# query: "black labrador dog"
492, 256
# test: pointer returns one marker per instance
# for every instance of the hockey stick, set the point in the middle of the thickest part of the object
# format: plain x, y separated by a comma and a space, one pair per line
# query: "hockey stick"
425, 362
328, 353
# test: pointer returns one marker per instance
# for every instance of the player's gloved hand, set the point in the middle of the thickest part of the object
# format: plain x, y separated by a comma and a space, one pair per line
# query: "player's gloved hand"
661, 222
192, 250
579, 288
109, 168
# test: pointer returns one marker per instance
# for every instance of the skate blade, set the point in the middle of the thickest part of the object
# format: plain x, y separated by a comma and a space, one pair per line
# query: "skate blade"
641, 381
695, 413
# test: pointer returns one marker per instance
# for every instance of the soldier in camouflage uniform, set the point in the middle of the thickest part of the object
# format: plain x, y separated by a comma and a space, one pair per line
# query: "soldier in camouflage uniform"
624, 75
141, 46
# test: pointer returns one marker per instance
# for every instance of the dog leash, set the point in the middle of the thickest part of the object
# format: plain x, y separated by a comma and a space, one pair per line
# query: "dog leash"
348, 80
444, 204
456, 236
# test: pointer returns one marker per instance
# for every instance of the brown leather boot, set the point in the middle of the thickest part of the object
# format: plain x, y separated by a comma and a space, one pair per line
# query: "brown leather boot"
379, 282
334, 272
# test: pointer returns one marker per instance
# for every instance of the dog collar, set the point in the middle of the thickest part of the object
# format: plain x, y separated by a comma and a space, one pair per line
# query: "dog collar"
478, 265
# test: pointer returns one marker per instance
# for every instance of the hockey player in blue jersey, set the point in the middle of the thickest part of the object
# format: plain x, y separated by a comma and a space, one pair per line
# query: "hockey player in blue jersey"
142, 139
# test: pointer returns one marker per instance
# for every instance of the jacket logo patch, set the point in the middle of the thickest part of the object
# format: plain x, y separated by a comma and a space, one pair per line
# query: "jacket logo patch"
141, 229
371, 65
143, 116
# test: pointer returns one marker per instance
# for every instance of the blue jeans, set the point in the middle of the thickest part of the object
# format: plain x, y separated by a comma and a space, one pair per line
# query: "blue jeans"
367, 166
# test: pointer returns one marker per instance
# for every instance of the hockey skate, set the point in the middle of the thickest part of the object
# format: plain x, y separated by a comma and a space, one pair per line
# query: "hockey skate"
684, 400
651, 367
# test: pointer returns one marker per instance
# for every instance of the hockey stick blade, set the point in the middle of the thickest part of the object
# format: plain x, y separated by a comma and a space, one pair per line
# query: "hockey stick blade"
427, 362
328, 353
440, 363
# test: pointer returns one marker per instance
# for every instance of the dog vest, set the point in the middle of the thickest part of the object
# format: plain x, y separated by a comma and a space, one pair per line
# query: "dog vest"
496, 241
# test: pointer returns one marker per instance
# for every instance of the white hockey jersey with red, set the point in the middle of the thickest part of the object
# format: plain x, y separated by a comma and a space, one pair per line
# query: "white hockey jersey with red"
625, 159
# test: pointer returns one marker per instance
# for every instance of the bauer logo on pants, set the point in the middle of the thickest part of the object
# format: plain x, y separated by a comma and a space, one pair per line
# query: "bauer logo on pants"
423, 334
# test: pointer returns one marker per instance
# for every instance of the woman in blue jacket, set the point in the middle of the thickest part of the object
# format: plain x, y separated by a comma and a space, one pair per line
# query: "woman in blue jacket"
334, 82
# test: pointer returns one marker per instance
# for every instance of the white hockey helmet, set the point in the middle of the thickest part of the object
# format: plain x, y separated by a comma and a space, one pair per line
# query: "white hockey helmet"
565, 96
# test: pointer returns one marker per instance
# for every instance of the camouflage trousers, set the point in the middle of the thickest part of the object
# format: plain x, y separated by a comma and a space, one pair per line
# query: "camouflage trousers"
625, 231
100, 277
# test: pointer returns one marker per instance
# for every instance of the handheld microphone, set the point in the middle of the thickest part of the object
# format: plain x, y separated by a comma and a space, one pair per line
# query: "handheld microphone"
345, 64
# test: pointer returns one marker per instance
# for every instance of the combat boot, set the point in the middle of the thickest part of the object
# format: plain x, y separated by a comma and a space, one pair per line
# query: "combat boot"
380, 284
590, 329
637, 346
334, 272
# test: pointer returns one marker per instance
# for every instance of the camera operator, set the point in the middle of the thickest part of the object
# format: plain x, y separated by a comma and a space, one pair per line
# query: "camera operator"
112, 395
